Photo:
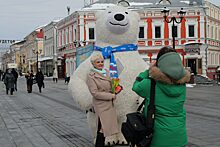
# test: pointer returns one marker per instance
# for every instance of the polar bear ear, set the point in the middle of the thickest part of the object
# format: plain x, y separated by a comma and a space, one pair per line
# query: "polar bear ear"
123, 3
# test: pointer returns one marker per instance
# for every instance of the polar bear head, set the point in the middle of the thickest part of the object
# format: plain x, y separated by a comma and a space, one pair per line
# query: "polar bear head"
117, 25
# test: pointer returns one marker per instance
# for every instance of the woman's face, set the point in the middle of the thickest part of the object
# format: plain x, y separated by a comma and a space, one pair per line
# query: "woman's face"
99, 64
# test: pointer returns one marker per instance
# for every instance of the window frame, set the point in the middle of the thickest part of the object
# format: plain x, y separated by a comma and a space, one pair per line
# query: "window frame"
191, 25
155, 32
142, 37
93, 36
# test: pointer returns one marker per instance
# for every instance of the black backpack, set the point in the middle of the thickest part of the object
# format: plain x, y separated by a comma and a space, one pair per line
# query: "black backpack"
138, 130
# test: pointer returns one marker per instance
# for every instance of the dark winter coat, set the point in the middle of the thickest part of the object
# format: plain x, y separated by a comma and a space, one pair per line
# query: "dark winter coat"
29, 78
15, 75
40, 79
9, 80
170, 115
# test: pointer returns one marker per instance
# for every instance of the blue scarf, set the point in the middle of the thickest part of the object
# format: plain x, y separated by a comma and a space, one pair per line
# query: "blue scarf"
107, 52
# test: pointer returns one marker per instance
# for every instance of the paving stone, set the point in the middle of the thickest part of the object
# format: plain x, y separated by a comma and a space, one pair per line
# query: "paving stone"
51, 118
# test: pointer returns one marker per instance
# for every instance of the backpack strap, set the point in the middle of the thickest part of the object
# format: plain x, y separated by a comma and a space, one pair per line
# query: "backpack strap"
152, 94
151, 107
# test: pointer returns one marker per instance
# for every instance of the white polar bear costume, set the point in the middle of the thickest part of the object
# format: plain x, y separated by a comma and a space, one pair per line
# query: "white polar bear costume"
115, 26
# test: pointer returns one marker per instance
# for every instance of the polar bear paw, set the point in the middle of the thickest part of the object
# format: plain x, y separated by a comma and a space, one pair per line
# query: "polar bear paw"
121, 139
111, 140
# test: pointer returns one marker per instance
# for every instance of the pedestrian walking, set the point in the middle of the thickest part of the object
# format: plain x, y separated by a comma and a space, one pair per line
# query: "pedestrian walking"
9, 81
55, 75
29, 79
67, 78
170, 95
40, 80
16, 77
1, 74
100, 86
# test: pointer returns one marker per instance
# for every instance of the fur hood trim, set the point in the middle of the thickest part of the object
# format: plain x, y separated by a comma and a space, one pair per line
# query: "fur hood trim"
156, 74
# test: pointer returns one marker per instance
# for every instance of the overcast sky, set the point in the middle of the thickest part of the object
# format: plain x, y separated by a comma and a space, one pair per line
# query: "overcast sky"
18, 18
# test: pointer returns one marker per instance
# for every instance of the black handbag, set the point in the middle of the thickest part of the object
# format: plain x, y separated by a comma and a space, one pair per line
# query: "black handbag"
138, 130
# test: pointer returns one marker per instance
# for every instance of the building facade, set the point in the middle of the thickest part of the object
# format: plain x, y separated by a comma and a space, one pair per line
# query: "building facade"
5, 56
191, 42
196, 37
212, 37
16, 55
74, 31
33, 49
49, 61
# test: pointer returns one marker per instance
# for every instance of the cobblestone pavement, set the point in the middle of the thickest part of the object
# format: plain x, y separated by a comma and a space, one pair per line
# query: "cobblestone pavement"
51, 119
203, 116
47, 119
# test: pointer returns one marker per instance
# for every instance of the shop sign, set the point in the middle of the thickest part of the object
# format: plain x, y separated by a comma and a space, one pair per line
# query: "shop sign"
49, 63
7, 41
12, 65
192, 48
59, 62
83, 53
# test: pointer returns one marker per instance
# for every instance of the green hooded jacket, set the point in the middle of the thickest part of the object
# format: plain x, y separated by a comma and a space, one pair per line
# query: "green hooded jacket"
170, 115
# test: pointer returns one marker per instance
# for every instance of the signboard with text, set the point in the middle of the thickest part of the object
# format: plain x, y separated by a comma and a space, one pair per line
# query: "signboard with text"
83, 53
6, 41
193, 48
5, 44
12, 65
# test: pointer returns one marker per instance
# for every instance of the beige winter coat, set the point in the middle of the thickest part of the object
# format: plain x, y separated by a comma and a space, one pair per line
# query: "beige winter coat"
100, 88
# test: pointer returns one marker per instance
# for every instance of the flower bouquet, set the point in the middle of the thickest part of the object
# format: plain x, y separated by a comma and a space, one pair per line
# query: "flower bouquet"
116, 88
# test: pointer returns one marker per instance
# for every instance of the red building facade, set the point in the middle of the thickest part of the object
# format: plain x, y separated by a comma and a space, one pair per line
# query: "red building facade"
191, 41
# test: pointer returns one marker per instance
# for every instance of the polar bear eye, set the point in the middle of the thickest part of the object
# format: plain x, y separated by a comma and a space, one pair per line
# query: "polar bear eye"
109, 12
126, 12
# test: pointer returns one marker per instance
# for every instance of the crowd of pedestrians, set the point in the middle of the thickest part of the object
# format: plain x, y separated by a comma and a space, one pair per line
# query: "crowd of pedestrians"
10, 76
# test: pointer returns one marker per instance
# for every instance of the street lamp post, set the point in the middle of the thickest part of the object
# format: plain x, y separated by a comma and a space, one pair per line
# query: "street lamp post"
20, 64
38, 52
173, 20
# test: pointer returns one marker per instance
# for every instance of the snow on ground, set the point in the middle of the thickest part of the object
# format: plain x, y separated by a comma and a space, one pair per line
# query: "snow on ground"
190, 85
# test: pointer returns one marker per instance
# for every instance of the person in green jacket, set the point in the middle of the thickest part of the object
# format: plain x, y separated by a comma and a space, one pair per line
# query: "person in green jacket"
170, 95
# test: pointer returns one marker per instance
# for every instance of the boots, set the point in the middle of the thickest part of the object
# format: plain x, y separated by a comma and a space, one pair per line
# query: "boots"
100, 140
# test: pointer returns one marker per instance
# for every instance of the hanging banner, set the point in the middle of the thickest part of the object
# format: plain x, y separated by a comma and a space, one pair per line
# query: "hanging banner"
83, 53
6, 41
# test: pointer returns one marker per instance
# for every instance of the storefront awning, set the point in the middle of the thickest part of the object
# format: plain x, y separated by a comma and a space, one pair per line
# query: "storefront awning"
45, 58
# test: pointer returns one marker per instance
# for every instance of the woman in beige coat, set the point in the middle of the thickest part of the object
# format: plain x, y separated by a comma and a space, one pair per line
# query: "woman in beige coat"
100, 86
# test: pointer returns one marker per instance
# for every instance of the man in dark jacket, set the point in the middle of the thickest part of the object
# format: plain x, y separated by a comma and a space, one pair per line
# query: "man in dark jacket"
29, 76
1, 74
9, 81
16, 77
40, 79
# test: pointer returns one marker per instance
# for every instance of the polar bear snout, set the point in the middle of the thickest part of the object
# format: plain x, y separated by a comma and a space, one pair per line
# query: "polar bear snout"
119, 17
118, 22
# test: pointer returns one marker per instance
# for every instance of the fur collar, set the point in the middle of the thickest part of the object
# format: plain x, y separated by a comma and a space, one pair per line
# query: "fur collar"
156, 74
